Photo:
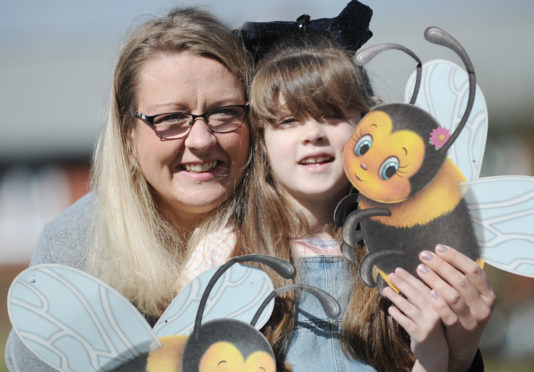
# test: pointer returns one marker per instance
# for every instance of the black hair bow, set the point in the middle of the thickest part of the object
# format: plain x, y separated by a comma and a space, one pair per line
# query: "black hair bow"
350, 29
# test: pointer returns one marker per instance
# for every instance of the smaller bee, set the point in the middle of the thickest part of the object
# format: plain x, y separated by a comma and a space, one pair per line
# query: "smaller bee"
233, 344
101, 330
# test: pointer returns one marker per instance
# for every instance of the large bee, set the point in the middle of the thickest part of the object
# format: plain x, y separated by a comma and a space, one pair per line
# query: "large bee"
409, 191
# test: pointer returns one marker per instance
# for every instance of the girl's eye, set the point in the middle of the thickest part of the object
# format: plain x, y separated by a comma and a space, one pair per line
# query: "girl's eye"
388, 168
363, 145
287, 122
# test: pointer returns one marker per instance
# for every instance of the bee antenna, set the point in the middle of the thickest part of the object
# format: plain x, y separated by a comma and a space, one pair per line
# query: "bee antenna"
282, 267
367, 54
329, 303
439, 36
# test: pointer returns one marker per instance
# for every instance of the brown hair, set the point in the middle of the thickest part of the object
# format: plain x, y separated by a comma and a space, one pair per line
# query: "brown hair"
134, 248
316, 79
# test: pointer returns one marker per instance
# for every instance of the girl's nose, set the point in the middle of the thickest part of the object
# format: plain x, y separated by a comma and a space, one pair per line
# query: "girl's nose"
364, 166
313, 131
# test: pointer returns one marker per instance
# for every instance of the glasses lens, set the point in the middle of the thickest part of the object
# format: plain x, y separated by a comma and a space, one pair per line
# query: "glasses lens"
226, 119
173, 125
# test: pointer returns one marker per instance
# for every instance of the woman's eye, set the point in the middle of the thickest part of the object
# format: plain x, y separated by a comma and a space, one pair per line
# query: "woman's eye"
388, 168
176, 118
363, 145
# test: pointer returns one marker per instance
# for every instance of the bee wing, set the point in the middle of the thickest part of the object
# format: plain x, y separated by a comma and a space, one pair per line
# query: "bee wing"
504, 213
237, 294
75, 322
443, 93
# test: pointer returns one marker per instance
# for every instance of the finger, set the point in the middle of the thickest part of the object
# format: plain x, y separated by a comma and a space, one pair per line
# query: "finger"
409, 326
403, 312
449, 273
470, 268
414, 298
447, 301
411, 280
402, 304
464, 293
418, 324
412, 287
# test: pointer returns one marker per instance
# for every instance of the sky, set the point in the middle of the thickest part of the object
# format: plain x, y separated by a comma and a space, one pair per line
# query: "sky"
57, 57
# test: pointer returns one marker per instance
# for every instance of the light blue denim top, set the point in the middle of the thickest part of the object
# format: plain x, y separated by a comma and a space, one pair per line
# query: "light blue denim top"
314, 345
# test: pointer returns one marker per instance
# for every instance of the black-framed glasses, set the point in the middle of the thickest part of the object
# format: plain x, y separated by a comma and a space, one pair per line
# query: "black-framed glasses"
176, 125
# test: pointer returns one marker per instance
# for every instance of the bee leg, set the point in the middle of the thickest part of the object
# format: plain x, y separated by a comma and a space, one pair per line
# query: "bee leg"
351, 235
366, 270
347, 205
370, 260
348, 251
351, 232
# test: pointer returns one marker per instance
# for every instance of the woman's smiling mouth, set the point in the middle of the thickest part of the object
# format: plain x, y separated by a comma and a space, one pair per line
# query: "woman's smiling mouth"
199, 167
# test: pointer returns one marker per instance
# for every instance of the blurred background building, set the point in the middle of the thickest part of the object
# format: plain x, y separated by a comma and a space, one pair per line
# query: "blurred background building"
56, 62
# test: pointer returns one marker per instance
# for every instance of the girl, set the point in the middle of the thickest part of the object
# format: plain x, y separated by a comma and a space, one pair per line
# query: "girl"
306, 98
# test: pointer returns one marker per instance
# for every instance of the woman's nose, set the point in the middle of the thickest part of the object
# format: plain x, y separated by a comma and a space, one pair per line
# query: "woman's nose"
200, 137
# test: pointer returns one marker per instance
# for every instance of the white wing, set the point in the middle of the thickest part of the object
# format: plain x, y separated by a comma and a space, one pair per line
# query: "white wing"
75, 322
237, 294
443, 94
503, 207
504, 212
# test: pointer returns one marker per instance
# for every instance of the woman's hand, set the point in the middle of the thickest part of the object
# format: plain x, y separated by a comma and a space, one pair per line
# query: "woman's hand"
412, 309
462, 296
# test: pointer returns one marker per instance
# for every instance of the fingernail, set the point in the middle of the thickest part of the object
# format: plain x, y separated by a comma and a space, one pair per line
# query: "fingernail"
434, 294
422, 269
426, 255
441, 248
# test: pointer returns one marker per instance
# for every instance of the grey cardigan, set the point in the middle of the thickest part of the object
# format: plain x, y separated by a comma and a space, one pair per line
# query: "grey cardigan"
64, 241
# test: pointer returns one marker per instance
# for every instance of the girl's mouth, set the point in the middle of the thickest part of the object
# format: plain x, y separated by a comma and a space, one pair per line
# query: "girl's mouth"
316, 160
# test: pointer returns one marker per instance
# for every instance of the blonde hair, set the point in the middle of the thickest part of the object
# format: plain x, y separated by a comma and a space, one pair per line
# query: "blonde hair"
134, 248
316, 79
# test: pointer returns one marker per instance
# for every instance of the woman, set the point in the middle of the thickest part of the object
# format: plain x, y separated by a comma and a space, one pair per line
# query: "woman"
174, 150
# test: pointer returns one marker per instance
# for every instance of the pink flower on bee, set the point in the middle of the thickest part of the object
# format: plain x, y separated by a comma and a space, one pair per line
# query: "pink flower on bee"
439, 137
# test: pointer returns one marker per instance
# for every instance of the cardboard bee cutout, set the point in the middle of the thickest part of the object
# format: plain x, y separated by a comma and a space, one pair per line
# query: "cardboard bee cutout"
233, 344
75, 322
409, 195
412, 195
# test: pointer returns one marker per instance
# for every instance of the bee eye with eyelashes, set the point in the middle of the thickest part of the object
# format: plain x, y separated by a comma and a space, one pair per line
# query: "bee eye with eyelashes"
363, 145
388, 168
